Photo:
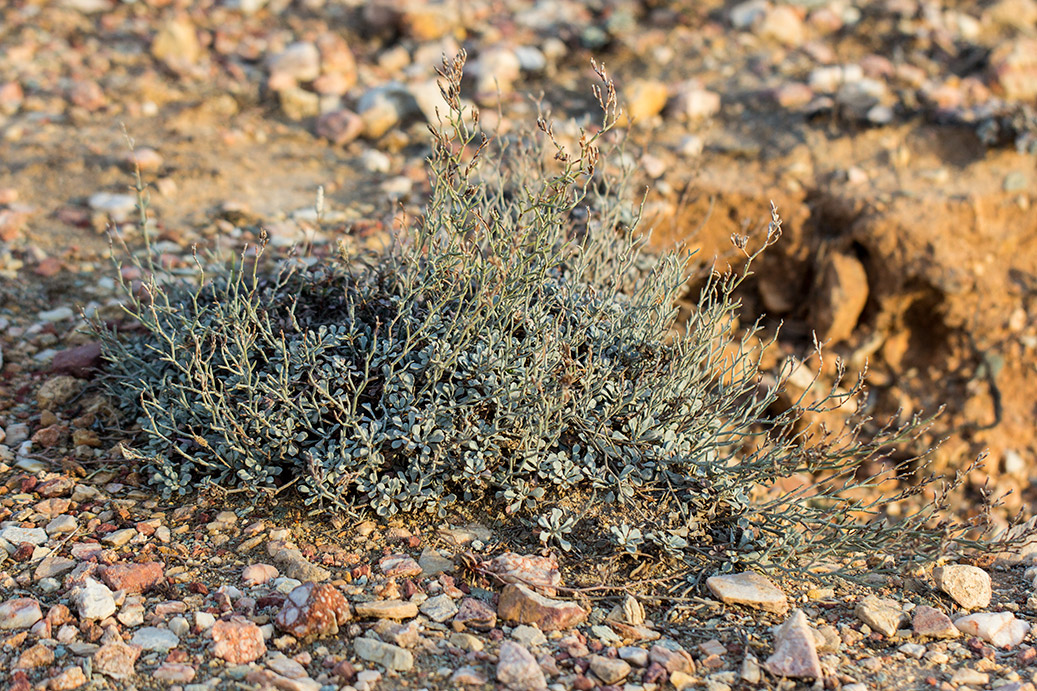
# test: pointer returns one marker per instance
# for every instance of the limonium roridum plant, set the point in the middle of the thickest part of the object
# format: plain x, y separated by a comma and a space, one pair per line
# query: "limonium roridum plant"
512, 352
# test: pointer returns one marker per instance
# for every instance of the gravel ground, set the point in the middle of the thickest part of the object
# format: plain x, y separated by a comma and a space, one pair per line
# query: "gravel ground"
896, 137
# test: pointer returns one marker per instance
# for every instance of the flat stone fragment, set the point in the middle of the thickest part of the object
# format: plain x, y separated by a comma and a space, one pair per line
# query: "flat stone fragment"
386, 609
519, 603
795, 650
52, 567
133, 578
295, 565
931, 622
439, 608
749, 589
609, 670
885, 616
967, 585
391, 657
19, 613
17, 535
60, 525
517, 670
997, 628
119, 537
967, 676
154, 638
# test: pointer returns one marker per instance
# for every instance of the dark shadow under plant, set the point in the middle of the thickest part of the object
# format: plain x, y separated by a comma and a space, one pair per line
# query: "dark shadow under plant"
512, 352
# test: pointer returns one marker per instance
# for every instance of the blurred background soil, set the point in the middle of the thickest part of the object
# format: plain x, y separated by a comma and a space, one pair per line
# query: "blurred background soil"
897, 138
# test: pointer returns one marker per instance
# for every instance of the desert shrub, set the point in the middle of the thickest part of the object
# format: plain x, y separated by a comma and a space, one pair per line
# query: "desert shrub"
515, 352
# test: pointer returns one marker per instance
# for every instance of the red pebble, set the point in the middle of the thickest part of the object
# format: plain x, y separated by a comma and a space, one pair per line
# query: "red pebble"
583, 683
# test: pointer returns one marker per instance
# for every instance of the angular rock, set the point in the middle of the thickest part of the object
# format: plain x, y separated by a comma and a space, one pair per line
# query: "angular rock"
518, 670
38, 655
154, 638
16, 535
238, 641
1001, 628
391, 657
540, 573
609, 670
841, 298
749, 589
672, 660
386, 609
133, 578
399, 566
118, 538
931, 622
439, 608
71, 678
57, 391
52, 567
116, 659
885, 616
61, 525
968, 676
19, 613
313, 610
475, 614
795, 650
967, 585
519, 603
94, 600
630, 612
295, 565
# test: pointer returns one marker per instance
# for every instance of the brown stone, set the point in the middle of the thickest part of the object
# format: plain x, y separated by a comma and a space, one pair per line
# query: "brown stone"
841, 298
238, 641
78, 361
519, 603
